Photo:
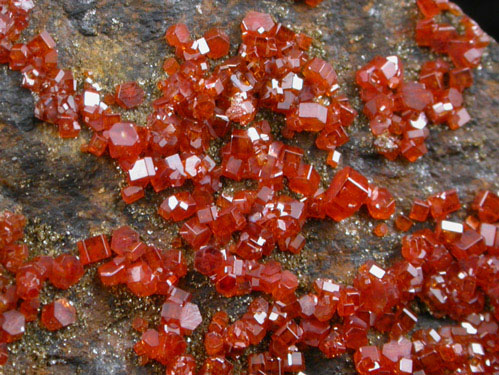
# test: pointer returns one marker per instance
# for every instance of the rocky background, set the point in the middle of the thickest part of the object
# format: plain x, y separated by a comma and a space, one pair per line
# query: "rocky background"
67, 195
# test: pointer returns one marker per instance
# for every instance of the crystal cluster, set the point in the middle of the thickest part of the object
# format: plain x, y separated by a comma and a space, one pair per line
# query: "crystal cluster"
198, 104
147, 270
21, 282
399, 111
451, 269
58, 102
260, 219
144, 269
14, 19
464, 49
166, 344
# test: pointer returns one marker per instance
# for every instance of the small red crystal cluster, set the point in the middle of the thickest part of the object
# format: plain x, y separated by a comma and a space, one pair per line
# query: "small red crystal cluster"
14, 19
19, 290
272, 70
145, 270
437, 206
451, 269
399, 111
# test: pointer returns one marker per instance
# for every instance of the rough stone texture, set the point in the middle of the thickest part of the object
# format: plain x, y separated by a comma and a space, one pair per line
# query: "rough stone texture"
68, 196
16, 104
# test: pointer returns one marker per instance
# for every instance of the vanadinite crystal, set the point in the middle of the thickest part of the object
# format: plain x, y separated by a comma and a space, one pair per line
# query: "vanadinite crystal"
129, 95
218, 43
94, 249
66, 271
182, 365
347, 192
132, 194
124, 141
140, 324
58, 314
12, 326
380, 203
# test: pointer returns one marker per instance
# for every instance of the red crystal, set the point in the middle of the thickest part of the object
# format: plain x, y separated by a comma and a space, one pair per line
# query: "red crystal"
218, 43
216, 366
355, 332
419, 210
140, 324
346, 194
377, 288
182, 365
141, 280
487, 205
381, 230
256, 23
11, 227
442, 204
305, 181
12, 324
469, 243
403, 223
367, 360
380, 203
131, 194
161, 346
66, 271
178, 207
94, 249
321, 75
29, 308
333, 344
178, 35
171, 66
195, 233
58, 314
214, 343
333, 158
13, 256
129, 95
124, 141
29, 281
190, 318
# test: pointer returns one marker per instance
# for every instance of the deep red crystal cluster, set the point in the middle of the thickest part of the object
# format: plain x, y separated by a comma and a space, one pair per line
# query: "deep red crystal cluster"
272, 70
21, 281
453, 269
399, 111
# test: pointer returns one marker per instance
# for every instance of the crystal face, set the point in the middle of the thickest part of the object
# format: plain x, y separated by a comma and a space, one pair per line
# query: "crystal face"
66, 271
94, 249
129, 95
58, 314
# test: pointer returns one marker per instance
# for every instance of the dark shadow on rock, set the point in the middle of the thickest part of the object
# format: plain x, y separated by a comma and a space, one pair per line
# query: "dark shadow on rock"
16, 103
